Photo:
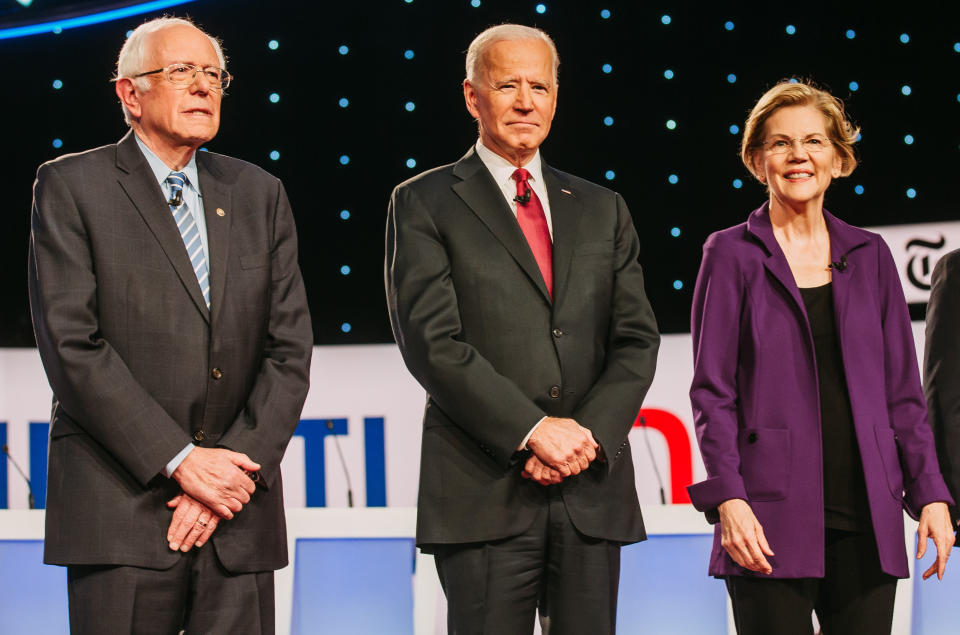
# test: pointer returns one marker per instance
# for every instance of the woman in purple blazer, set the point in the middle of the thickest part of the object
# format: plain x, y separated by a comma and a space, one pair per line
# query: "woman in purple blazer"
806, 393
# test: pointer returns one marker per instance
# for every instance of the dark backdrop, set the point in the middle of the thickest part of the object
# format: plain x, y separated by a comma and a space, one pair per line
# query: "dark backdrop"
310, 130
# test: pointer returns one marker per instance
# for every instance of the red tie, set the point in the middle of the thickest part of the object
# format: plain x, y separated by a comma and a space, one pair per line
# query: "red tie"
533, 222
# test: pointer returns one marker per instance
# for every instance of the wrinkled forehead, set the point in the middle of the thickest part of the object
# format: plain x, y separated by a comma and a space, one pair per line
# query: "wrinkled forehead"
530, 58
180, 43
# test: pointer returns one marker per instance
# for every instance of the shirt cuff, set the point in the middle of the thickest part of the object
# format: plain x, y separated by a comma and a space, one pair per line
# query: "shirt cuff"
523, 445
177, 460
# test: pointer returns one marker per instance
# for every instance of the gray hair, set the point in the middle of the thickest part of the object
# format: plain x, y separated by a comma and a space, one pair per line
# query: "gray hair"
133, 53
509, 32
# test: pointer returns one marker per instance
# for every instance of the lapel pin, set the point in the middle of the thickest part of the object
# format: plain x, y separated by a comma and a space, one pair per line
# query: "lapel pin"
567, 192
220, 212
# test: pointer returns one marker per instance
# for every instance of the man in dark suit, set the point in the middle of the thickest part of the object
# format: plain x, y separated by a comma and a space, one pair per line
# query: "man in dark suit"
517, 300
172, 322
941, 370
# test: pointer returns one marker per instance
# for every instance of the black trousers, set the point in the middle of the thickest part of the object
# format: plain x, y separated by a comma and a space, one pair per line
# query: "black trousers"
495, 588
196, 595
854, 597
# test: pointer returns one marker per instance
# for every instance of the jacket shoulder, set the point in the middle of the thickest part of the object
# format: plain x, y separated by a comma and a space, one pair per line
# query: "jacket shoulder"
433, 179
80, 163
236, 169
732, 240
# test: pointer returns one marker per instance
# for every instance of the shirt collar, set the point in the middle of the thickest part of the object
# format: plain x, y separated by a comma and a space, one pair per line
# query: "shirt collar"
161, 171
502, 170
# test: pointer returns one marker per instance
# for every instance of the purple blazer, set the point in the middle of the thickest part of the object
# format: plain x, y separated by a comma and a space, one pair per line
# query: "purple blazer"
756, 401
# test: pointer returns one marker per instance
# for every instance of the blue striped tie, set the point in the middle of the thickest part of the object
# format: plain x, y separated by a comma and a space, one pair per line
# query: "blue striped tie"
189, 232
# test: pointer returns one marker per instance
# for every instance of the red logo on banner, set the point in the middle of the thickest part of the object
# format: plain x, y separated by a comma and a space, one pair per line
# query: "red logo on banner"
678, 446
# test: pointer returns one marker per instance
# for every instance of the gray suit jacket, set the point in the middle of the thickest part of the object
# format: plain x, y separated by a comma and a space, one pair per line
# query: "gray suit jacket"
477, 328
137, 363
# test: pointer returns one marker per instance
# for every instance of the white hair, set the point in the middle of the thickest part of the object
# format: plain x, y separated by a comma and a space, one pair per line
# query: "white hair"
133, 53
509, 32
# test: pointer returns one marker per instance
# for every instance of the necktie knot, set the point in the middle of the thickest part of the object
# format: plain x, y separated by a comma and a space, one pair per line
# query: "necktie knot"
521, 175
176, 181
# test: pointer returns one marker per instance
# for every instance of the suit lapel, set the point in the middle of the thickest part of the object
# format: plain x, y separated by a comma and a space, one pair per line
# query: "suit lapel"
137, 180
483, 197
565, 213
843, 240
218, 212
760, 226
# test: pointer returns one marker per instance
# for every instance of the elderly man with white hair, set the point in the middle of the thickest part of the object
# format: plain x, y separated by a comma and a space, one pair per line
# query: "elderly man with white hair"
172, 322
517, 300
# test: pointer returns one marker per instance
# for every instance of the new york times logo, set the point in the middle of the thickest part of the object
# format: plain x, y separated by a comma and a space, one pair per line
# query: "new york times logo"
920, 265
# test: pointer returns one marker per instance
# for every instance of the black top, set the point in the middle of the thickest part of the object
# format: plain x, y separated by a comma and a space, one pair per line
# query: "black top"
844, 491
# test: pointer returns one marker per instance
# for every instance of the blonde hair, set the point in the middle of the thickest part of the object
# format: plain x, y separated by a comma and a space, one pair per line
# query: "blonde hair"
509, 32
840, 130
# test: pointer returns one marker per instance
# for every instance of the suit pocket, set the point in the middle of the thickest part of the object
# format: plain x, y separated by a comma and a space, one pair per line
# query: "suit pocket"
594, 248
887, 445
765, 462
255, 261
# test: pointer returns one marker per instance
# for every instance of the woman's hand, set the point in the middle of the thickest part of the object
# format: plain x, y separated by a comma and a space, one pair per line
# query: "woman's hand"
935, 524
742, 536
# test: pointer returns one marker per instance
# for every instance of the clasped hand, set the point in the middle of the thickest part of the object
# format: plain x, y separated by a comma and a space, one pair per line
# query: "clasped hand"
561, 448
217, 479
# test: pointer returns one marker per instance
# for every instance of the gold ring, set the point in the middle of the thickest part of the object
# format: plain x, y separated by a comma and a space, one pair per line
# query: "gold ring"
202, 523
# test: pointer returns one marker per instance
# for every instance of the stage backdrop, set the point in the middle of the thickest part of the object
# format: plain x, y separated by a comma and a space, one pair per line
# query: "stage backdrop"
363, 400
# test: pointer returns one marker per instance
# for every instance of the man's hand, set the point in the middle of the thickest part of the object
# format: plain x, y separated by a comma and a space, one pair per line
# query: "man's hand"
935, 524
192, 523
742, 536
536, 470
564, 445
215, 478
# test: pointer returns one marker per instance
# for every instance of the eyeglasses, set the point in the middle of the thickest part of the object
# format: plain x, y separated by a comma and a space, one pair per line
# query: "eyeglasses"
781, 145
185, 74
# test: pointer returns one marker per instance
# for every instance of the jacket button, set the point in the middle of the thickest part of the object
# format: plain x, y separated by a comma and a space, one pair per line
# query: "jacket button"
752, 437
199, 436
555, 392
557, 332
216, 373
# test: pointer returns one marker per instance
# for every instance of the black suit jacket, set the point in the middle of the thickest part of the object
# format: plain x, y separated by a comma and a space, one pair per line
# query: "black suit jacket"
941, 370
130, 350
478, 330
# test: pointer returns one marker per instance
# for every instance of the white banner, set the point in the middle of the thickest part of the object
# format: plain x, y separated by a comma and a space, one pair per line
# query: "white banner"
916, 249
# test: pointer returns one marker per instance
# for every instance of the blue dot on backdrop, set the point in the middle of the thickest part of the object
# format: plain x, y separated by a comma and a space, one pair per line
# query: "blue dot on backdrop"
344, 102
408, 54
728, 25
345, 270
605, 13
411, 163
858, 189
673, 179
791, 29
851, 34
608, 120
732, 78
345, 327
57, 84
345, 214
607, 68
677, 284
274, 98
344, 49
58, 143
273, 45
734, 128
737, 183
908, 139
905, 89
668, 74
675, 232
474, 3
274, 155
911, 193
610, 175
956, 47
665, 19
344, 159
541, 8
671, 124
905, 38
853, 86
409, 106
